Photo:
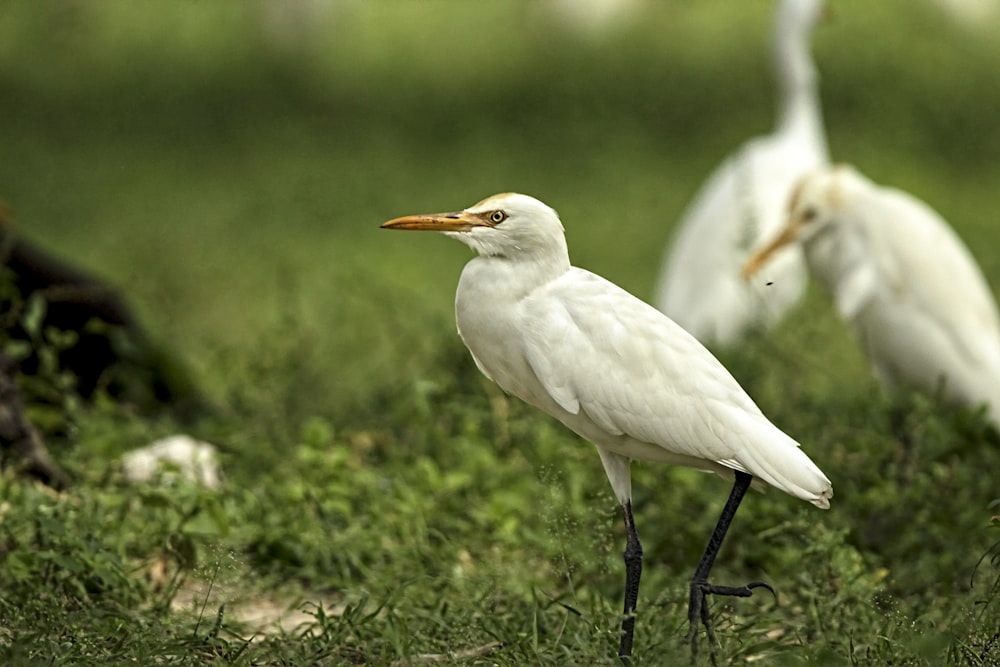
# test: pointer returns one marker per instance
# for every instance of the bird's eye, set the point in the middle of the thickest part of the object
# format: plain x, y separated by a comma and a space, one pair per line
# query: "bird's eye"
809, 214
496, 217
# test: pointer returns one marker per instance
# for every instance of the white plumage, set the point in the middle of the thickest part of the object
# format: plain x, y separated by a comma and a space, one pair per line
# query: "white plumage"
612, 368
911, 290
742, 204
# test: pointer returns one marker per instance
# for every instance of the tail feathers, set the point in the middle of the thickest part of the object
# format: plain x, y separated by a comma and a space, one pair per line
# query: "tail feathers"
779, 460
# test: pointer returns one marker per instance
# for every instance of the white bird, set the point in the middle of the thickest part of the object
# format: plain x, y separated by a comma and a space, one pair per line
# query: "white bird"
613, 369
742, 204
911, 290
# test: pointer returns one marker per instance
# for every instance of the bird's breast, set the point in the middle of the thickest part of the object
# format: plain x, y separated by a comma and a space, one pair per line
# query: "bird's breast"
490, 311
487, 322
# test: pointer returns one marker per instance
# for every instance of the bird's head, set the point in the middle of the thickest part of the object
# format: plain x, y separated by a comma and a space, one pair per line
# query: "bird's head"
505, 225
813, 209
801, 15
796, 20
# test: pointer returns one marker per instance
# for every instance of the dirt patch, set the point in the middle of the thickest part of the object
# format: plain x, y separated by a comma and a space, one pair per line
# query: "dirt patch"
261, 615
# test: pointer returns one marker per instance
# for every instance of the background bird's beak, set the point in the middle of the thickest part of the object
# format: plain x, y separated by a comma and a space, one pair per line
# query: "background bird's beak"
760, 257
461, 221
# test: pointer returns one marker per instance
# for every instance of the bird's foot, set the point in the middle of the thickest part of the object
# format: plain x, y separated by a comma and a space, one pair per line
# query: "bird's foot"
698, 611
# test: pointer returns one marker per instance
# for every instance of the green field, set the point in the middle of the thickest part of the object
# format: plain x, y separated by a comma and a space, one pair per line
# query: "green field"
229, 172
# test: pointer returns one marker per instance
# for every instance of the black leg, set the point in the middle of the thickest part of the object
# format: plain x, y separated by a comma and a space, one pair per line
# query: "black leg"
898, 417
698, 605
633, 570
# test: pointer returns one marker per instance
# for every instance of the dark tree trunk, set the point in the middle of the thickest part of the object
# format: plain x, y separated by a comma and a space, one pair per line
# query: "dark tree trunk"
109, 352
19, 439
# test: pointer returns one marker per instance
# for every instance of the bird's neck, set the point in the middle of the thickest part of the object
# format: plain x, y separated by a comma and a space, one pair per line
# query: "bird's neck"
837, 255
798, 89
500, 278
799, 114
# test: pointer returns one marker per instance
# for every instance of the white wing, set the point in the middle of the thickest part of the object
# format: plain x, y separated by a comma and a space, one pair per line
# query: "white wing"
937, 314
925, 259
611, 361
739, 207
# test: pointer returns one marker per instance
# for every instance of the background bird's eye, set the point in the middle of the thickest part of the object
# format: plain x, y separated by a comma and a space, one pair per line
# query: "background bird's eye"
496, 217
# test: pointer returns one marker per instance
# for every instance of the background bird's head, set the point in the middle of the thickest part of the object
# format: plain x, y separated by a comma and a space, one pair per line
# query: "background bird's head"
800, 15
814, 208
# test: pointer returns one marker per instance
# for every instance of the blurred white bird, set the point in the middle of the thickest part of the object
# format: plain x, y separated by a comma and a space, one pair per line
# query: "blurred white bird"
614, 370
172, 457
743, 203
593, 18
972, 14
903, 279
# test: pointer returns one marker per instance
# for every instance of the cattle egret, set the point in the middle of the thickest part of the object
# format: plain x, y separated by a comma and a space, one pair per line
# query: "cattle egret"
902, 278
613, 369
742, 204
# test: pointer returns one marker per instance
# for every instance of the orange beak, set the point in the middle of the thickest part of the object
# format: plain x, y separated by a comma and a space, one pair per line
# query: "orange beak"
460, 221
759, 258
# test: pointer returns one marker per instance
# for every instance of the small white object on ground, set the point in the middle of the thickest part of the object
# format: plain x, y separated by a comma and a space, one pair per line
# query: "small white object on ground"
182, 455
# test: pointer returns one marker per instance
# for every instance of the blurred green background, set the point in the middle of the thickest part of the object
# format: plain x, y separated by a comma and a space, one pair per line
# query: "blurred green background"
227, 165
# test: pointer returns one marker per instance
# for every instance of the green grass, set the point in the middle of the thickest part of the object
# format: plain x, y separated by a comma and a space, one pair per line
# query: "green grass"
233, 186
